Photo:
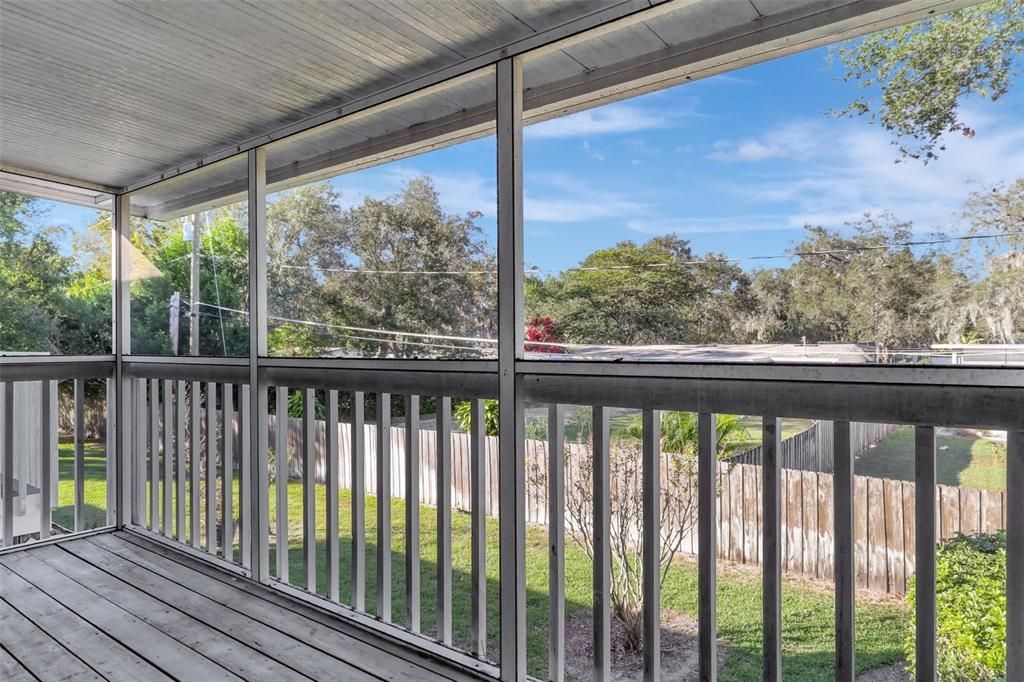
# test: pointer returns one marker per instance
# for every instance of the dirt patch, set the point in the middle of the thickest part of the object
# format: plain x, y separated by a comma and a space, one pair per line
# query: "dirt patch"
895, 672
680, 656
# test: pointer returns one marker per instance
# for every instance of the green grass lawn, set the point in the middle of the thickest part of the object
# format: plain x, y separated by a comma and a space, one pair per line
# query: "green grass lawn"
808, 616
95, 485
966, 461
751, 437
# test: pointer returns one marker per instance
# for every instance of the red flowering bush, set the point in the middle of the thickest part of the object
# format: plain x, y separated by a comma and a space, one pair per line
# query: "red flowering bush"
542, 331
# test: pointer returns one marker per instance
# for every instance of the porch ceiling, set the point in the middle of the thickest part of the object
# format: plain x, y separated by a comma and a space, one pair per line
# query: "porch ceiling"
114, 93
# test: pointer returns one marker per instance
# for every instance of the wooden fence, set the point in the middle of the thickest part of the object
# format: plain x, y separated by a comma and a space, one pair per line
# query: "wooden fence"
883, 508
812, 449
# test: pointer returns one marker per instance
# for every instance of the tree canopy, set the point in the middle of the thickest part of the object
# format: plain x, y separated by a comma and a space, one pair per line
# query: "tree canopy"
924, 71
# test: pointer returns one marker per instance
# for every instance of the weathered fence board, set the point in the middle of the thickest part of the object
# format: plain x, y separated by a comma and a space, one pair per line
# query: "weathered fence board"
812, 449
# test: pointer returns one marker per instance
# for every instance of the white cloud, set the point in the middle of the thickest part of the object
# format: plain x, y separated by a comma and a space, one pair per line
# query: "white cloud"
606, 120
767, 222
591, 152
795, 140
459, 192
856, 173
556, 198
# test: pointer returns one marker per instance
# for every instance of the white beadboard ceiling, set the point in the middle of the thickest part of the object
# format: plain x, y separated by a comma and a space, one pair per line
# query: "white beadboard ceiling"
114, 93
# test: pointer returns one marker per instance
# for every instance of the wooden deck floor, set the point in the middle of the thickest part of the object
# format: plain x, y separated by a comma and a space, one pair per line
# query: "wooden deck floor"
117, 606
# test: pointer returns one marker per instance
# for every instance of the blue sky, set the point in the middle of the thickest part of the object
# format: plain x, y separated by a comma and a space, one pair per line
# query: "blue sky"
736, 164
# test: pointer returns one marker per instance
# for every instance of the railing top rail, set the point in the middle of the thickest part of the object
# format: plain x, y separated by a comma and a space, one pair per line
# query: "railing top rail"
459, 384
188, 371
996, 407
38, 368
835, 374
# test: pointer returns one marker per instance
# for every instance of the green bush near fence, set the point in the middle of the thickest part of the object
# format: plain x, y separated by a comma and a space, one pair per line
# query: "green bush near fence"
970, 594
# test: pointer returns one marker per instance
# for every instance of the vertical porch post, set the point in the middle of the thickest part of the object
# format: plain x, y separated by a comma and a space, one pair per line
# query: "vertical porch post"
120, 233
1015, 553
512, 512
257, 502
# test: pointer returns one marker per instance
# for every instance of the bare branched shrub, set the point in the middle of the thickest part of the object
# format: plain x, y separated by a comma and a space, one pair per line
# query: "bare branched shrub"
678, 517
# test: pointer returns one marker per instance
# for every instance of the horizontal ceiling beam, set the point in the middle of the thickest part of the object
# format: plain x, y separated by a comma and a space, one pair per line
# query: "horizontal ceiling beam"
50, 177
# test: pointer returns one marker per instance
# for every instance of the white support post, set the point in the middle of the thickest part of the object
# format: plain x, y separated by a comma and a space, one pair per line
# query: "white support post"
1015, 553
924, 548
257, 502
707, 545
771, 566
652, 545
121, 336
512, 514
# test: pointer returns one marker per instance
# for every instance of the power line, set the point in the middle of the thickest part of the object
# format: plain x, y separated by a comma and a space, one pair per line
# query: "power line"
636, 266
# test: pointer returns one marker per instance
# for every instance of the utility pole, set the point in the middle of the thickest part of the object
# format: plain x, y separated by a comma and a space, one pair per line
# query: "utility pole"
193, 315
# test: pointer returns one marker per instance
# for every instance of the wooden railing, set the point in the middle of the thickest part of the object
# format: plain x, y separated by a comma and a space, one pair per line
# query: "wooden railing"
193, 471
31, 489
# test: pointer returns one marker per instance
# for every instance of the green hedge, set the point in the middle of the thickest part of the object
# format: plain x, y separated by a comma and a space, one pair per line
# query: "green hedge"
970, 593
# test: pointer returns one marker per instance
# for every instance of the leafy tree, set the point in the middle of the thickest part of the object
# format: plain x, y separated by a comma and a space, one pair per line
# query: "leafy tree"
367, 258
865, 287
223, 278
926, 70
996, 304
642, 294
46, 303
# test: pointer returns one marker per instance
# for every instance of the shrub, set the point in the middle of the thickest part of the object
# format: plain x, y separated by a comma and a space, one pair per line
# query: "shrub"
464, 416
970, 594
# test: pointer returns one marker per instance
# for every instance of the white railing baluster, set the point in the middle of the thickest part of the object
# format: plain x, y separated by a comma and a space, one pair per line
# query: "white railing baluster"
652, 544
443, 473
556, 543
602, 544
309, 488
358, 454
211, 467
281, 481
194, 459
842, 484
180, 407
79, 454
228, 470
478, 521
384, 506
167, 490
332, 454
110, 450
245, 492
8, 461
46, 460
771, 567
154, 455
924, 562
412, 512
1015, 553
707, 545
138, 454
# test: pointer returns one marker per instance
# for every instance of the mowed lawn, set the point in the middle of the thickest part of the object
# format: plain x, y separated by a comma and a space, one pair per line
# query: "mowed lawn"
808, 616
962, 459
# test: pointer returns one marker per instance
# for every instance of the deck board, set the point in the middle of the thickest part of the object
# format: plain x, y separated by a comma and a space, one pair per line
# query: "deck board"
281, 601
11, 670
119, 606
65, 617
286, 650
182, 627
